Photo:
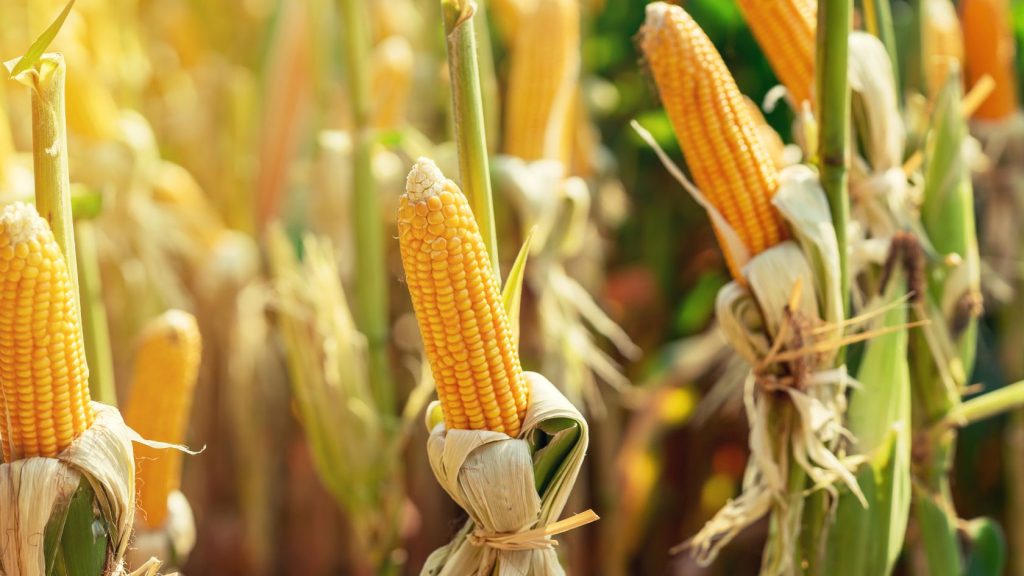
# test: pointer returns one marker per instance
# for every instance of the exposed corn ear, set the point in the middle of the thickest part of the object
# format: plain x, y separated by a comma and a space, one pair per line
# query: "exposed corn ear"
45, 403
392, 79
465, 329
545, 63
990, 49
713, 124
785, 30
771, 140
943, 42
166, 367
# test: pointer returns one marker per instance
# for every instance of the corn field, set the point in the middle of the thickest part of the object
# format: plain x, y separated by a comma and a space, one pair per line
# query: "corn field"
511, 287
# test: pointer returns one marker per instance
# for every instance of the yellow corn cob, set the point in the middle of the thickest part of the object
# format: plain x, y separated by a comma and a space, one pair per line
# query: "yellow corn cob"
771, 140
544, 69
392, 79
943, 42
465, 330
166, 367
714, 127
45, 403
785, 30
990, 49
507, 14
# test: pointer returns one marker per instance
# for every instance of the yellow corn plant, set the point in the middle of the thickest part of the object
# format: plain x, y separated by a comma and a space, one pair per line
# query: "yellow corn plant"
543, 79
166, 370
990, 50
719, 137
785, 29
466, 332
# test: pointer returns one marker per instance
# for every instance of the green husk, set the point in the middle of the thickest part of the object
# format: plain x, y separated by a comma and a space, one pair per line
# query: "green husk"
942, 353
879, 420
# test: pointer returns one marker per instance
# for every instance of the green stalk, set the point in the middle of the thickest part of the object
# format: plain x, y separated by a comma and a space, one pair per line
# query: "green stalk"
878, 21
987, 405
371, 269
94, 317
468, 113
50, 152
834, 102
833, 91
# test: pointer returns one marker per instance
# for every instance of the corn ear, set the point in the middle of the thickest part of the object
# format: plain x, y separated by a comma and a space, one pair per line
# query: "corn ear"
466, 332
990, 49
785, 29
713, 124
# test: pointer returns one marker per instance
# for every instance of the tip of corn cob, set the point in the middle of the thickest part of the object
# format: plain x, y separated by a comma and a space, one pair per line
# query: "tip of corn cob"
21, 223
425, 180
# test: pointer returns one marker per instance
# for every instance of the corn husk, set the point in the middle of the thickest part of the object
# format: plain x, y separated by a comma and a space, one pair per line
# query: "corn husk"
35, 491
784, 323
510, 488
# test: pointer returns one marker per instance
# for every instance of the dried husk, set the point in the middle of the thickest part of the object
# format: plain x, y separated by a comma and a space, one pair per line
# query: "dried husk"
34, 489
493, 478
796, 406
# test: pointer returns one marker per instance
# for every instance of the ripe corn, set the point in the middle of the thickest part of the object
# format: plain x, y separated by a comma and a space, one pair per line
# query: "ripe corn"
166, 367
771, 140
545, 62
943, 41
990, 49
715, 129
465, 330
392, 80
785, 30
45, 404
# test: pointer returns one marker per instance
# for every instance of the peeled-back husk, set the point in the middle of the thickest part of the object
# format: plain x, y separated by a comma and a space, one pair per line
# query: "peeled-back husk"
171, 542
32, 489
491, 476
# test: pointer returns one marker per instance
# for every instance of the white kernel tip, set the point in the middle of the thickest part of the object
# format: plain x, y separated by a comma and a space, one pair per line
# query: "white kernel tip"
21, 223
656, 14
425, 180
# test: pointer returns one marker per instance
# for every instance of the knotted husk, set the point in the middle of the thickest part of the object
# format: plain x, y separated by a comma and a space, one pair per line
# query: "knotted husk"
172, 542
34, 490
493, 478
785, 323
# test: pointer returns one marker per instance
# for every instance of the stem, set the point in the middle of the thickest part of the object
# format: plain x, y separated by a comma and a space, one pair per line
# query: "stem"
371, 279
50, 153
94, 317
468, 112
987, 405
878, 21
834, 120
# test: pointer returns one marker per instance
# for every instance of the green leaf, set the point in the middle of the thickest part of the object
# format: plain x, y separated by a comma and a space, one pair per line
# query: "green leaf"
512, 293
85, 538
42, 43
879, 417
987, 556
550, 443
938, 535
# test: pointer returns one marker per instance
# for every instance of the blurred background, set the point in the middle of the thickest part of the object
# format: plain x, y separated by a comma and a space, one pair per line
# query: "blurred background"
198, 124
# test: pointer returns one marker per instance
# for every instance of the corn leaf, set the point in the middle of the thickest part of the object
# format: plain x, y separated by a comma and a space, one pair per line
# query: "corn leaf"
36, 50
938, 535
512, 293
